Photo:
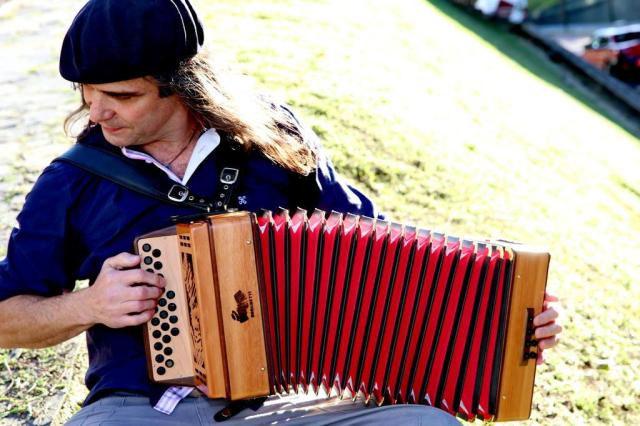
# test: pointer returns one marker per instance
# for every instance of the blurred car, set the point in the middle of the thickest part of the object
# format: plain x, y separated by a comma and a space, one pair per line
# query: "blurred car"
627, 66
606, 44
514, 11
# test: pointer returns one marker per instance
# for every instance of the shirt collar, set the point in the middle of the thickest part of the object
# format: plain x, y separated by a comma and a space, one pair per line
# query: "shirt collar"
205, 145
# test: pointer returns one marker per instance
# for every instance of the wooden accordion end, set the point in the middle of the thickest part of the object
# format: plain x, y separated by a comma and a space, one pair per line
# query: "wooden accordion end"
258, 305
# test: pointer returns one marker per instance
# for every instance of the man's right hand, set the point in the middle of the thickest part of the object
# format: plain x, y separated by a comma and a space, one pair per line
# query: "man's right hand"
123, 294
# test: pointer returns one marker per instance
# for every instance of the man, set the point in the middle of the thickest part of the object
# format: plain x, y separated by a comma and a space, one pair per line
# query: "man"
151, 97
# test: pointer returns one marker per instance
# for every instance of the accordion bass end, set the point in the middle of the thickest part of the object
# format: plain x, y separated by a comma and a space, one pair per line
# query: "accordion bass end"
519, 365
278, 303
520, 350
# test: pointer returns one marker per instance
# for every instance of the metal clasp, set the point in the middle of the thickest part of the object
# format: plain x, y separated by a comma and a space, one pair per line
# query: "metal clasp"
178, 193
229, 175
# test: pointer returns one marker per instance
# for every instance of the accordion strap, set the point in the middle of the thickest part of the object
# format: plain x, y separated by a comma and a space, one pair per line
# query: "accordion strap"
122, 171
230, 164
127, 173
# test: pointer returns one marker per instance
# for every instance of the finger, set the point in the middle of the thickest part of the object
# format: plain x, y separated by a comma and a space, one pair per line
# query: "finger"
140, 276
547, 331
122, 261
545, 317
137, 318
541, 357
135, 307
548, 343
143, 292
550, 301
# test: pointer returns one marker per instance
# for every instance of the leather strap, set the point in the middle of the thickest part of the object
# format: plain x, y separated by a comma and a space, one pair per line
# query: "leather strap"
125, 172
229, 175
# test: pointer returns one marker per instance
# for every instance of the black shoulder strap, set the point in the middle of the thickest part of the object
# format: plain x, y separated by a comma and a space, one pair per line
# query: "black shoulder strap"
124, 172
230, 161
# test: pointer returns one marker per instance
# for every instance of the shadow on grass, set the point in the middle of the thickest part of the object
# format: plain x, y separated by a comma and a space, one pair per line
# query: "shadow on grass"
530, 57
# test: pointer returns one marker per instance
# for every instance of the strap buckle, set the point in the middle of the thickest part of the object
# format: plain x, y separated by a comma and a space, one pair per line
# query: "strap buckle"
234, 407
178, 193
229, 175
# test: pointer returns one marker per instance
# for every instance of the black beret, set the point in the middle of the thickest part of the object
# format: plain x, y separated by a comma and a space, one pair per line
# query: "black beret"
115, 40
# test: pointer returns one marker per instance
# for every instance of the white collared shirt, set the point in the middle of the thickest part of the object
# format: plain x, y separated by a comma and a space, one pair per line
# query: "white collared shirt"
205, 145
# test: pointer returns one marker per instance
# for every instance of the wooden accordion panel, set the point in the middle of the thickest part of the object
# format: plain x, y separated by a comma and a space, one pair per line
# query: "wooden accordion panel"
351, 304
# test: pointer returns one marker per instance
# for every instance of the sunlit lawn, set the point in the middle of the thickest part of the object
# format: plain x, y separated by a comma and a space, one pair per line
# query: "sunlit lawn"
445, 131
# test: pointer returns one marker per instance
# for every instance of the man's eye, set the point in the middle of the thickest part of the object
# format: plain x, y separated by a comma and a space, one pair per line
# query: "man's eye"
121, 96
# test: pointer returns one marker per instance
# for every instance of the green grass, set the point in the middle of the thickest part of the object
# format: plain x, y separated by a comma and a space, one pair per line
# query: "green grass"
443, 129
420, 106
32, 382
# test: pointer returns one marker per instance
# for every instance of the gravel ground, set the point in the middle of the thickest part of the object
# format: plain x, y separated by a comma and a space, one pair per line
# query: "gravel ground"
34, 100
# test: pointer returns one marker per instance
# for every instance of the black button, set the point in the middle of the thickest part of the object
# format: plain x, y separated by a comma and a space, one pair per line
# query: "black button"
157, 334
146, 247
148, 260
158, 346
164, 314
164, 326
173, 319
162, 302
175, 331
156, 253
151, 270
161, 370
169, 363
171, 294
172, 306
157, 265
168, 351
166, 338
155, 321
159, 358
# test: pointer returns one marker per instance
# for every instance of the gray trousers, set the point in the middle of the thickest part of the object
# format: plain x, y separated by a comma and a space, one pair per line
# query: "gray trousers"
130, 410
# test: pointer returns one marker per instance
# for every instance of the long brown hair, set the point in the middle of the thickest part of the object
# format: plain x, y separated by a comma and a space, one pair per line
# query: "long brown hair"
224, 101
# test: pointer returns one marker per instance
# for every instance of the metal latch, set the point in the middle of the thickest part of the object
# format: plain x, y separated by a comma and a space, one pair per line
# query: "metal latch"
178, 193
229, 175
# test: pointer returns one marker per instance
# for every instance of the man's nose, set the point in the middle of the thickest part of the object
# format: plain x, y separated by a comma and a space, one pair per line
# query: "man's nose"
99, 111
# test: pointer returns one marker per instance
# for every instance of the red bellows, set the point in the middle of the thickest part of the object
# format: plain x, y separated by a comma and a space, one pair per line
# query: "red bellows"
391, 312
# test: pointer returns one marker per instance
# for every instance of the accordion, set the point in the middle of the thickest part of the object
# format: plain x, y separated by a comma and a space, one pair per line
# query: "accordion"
275, 303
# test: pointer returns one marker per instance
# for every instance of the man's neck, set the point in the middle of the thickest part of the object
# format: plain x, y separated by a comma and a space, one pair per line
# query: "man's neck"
175, 152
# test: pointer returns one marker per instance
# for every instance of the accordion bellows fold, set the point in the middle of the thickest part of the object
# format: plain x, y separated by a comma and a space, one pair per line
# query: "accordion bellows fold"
277, 303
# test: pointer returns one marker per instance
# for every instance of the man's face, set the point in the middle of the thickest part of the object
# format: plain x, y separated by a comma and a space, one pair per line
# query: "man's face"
132, 113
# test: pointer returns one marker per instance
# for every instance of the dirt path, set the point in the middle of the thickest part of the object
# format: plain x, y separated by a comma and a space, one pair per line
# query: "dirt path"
34, 100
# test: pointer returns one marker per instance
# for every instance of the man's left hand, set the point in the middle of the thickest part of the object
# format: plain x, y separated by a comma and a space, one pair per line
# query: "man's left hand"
547, 327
